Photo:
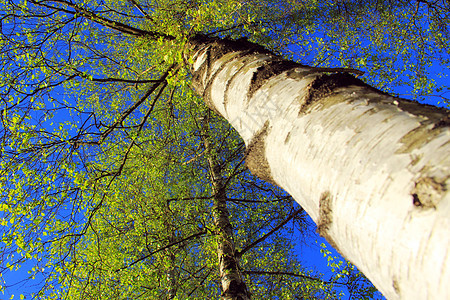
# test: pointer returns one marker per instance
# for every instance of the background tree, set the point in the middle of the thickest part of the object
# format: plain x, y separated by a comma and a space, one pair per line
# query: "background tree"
132, 228
114, 55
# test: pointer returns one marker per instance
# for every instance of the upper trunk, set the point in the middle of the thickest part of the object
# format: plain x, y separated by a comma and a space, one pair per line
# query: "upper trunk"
371, 170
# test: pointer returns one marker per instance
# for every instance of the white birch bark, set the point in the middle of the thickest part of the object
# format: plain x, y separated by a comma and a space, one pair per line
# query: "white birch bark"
371, 170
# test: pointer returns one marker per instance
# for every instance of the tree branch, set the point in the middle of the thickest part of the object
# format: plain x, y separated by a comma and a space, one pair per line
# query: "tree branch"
118, 26
141, 9
295, 213
120, 80
161, 249
128, 111
289, 274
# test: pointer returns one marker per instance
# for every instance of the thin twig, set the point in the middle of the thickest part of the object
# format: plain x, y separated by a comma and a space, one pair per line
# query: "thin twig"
295, 213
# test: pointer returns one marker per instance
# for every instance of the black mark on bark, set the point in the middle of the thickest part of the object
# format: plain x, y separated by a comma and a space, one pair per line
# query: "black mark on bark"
255, 153
288, 137
325, 213
395, 285
416, 200
236, 290
326, 218
220, 47
444, 122
268, 70
325, 84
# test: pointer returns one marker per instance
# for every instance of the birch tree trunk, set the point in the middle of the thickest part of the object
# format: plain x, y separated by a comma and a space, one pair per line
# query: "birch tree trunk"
371, 170
232, 283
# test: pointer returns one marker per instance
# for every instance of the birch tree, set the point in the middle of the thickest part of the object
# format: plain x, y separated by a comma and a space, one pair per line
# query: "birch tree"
166, 234
369, 168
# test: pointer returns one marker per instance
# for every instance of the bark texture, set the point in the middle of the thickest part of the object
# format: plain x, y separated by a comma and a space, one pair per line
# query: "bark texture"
371, 170
232, 283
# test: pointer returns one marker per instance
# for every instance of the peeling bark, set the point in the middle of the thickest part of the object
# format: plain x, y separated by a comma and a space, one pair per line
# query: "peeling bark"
370, 169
